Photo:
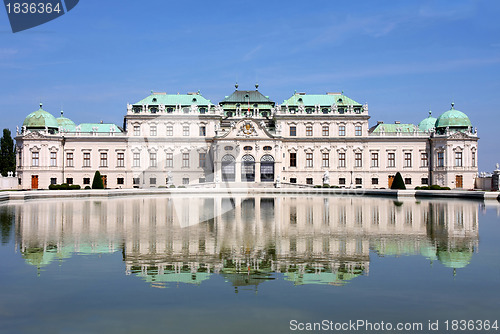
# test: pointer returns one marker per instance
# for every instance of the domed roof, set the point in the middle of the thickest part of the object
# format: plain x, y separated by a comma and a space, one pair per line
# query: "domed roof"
427, 123
455, 259
453, 119
40, 119
65, 123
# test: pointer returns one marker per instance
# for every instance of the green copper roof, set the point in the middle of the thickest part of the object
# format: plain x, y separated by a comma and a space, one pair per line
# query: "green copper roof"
405, 128
323, 100
174, 99
453, 118
65, 123
246, 96
455, 259
40, 119
100, 127
428, 123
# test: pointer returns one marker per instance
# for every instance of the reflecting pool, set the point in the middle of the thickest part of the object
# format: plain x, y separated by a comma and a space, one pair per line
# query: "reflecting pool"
246, 264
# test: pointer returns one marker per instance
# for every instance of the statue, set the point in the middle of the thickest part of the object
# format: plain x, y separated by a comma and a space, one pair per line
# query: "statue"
498, 166
17, 130
326, 178
129, 108
170, 179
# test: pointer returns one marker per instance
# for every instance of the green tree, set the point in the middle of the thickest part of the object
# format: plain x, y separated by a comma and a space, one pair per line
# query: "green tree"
97, 182
398, 182
7, 154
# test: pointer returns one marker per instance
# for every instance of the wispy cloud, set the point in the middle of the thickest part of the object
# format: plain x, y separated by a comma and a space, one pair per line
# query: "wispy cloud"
252, 53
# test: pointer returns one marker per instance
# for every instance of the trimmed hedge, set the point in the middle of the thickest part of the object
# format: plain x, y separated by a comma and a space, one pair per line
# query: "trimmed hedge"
432, 187
64, 186
398, 182
97, 182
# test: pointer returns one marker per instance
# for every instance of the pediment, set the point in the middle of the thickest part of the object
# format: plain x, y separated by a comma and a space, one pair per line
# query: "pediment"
248, 128
34, 135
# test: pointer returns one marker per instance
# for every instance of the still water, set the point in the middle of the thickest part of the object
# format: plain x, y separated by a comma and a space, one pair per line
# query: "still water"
245, 264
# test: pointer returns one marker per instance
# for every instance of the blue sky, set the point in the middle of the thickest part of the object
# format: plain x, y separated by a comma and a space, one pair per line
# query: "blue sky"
401, 57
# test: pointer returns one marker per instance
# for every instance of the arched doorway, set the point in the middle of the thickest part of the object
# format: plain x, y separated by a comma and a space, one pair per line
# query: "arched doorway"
267, 168
228, 168
247, 168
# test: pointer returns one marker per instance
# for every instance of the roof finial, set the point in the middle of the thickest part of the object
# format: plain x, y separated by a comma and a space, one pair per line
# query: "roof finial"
151, 91
257, 86
453, 105
430, 113
236, 85
62, 112
41, 104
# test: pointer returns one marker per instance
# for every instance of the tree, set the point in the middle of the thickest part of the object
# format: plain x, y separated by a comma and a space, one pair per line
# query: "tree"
398, 182
97, 182
7, 154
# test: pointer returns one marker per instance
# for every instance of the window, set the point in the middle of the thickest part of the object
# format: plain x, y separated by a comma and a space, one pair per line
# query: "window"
35, 156
152, 130
358, 162
473, 159
247, 148
152, 159
185, 159
104, 159
293, 180
293, 131
267, 148
170, 160
424, 160
86, 180
424, 180
86, 159
185, 130
136, 180
391, 159
120, 159
203, 131
341, 159
309, 180
53, 159
69, 180
407, 159
408, 180
201, 180
342, 181
309, 159
374, 180
440, 159
152, 180
326, 160
342, 130
293, 159
309, 130
53, 180
359, 181
458, 159
69, 159
358, 130
374, 159
137, 130
120, 180
326, 130
185, 180
170, 130
137, 159
202, 160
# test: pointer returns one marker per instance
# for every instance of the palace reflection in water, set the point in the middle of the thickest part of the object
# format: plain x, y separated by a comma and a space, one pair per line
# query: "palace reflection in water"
306, 240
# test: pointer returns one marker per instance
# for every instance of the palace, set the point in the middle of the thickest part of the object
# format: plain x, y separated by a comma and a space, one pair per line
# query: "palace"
247, 140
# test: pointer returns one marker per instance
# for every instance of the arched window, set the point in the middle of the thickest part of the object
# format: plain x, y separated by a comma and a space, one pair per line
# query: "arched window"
247, 168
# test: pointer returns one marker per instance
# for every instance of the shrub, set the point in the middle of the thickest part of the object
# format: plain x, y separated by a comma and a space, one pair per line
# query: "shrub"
326, 185
335, 187
64, 186
181, 187
97, 182
317, 186
87, 187
435, 187
398, 182
172, 186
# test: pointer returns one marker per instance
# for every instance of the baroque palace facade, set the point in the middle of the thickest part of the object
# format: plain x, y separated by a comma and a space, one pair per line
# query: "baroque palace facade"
247, 140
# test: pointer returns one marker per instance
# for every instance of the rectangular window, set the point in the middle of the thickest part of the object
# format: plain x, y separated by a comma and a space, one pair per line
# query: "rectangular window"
202, 160
185, 130
170, 160
341, 159
391, 159
86, 159
104, 159
293, 159
201, 180
374, 159
326, 130
359, 181
342, 130
408, 180
293, 180
137, 159
342, 181
326, 160
152, 159
185, 180
293, 131
86, 180
136, 180
309, 159
53, 159
424, 180
203, 131
358, 160
69, 180
137, 130
458, 159
358, 130
407, 159
69, 159
424, 159
152, 180
120, 159
53, 180
120, 180
185, 159
473, 159
152, 130
309, 130
440, 159
374, 180
309, 180
35, 159
170, 130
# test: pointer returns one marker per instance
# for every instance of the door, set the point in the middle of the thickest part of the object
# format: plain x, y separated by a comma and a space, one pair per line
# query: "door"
247, 168
391, 179
267, 168
104, 181
459, 181
34, 181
